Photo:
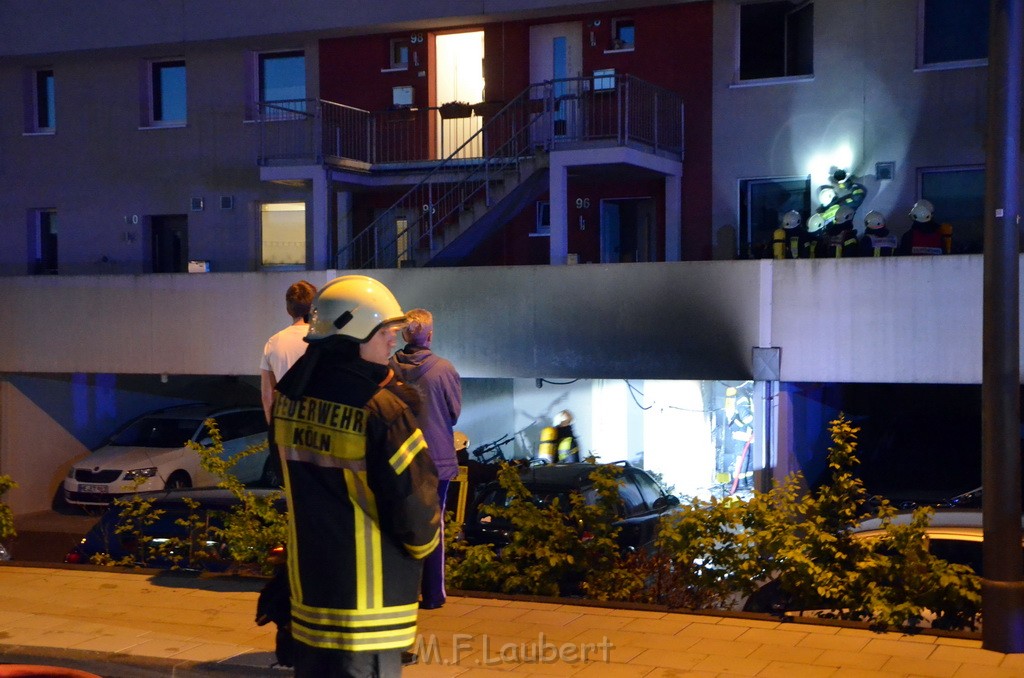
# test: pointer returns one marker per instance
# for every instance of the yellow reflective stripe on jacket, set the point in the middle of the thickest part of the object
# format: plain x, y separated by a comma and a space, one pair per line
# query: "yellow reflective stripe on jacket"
366, 542
412, 446
420, 552
357, 630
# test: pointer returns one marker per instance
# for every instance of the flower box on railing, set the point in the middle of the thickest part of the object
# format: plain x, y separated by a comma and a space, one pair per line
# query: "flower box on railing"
486, 109
455, 109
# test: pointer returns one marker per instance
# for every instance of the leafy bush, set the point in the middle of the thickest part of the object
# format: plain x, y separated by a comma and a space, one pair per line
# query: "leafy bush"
553, 549
715, 553
6, 516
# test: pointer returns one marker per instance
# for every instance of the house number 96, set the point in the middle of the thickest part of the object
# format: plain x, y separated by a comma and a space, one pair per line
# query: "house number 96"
582, 203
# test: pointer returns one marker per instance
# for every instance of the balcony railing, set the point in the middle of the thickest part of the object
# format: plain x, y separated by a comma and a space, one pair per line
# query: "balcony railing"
620, 110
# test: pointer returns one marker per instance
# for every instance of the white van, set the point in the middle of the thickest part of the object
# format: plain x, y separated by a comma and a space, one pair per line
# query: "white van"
152, 448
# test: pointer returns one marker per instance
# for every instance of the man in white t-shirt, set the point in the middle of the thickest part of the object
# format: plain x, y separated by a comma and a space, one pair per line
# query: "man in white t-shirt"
284, 348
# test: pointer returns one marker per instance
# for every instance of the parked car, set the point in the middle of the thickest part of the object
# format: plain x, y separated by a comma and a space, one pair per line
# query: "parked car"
170, 507
150, 453
643, 502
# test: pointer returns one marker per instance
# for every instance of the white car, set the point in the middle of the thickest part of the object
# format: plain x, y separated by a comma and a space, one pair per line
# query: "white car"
150, 453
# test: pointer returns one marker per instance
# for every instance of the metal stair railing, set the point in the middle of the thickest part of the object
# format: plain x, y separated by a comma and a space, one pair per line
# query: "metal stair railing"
616, 109
417, 220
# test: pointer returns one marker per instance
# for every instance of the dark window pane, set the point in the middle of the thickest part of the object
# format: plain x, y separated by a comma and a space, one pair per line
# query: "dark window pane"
46, 114
762, 203
283, 76
959, 200
46, 260
955, 30
776, 40
169, 91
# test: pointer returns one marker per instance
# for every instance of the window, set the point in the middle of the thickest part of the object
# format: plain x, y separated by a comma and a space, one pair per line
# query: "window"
776, 40
954, 33
283, 227
44, 236
958, 194
40, 108
281, 83
542, 225
167, 93
604, 79
623, 34
762, 203
399, 59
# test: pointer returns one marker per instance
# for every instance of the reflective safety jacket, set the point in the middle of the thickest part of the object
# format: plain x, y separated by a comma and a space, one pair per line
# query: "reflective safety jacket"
362, 505
558, 445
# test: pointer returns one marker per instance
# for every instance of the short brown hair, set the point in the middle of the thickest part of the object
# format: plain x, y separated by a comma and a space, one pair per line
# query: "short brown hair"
299, 298
421, 322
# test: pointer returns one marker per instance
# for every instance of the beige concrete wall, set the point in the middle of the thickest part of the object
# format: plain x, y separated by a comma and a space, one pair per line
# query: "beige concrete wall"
896, 320
34, 450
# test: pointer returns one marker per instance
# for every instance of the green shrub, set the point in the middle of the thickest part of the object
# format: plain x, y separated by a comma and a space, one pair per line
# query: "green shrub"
6, 516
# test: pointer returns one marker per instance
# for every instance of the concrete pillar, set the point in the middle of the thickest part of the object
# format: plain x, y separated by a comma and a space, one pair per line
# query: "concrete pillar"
673, 217
318, 254
343, 210
558, 188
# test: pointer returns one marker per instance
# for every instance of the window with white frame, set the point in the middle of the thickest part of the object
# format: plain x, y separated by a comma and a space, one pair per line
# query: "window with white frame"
776, 40
283, 232
280, 84
40, 104
43, 256
166, 105
958, 195
952, 33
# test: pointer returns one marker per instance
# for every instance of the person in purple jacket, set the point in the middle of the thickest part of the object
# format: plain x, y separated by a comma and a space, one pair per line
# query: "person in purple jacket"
441, 392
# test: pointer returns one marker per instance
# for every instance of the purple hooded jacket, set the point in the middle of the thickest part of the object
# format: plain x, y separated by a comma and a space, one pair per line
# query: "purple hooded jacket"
440, 389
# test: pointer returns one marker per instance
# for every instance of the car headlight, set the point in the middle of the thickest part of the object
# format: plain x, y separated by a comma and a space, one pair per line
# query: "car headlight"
148, 472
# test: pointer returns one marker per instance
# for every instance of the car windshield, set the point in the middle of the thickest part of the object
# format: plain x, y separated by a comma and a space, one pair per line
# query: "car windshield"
156, 432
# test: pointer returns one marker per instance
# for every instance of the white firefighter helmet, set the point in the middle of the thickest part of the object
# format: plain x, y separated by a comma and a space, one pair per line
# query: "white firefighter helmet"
826, 194
791, 219
874, 220
353, 306
461, 441
844, 215
563, 418
922, 211
815, 223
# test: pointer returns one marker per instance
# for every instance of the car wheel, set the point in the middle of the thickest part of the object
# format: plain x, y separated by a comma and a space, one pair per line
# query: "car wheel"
179, 480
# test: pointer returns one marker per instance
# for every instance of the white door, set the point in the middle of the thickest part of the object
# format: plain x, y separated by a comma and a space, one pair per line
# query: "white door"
555, 55
460, 77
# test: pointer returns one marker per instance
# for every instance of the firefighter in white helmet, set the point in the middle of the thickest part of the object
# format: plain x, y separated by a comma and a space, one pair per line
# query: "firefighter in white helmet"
877, 241
362, 491
840, 237
787, 237
925, 235
558, 442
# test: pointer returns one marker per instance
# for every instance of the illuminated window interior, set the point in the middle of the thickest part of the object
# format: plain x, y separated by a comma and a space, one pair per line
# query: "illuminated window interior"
283, 228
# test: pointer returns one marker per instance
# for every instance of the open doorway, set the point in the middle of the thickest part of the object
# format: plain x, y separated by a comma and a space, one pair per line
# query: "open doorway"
628, 230
460, 78
170, 243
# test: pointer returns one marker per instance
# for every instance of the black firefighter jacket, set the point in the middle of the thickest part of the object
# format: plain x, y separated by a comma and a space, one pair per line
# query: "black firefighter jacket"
362, 499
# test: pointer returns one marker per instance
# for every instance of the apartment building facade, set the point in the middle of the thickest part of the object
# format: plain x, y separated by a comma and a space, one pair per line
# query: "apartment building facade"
643, 138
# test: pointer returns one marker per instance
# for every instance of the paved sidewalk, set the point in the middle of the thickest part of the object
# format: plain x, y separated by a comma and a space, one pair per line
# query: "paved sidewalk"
140, 625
